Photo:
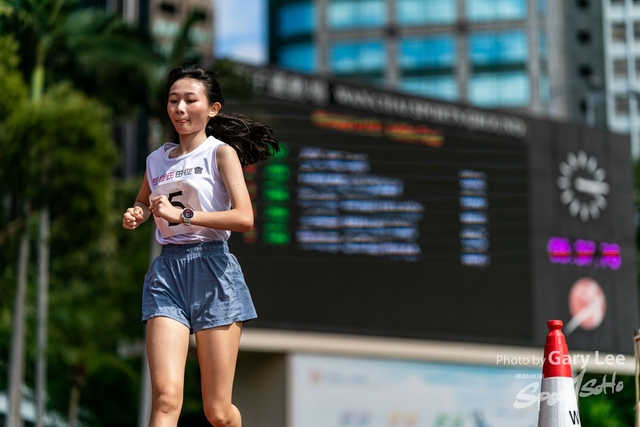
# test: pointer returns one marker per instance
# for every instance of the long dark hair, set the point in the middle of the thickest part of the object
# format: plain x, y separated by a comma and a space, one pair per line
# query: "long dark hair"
253, 141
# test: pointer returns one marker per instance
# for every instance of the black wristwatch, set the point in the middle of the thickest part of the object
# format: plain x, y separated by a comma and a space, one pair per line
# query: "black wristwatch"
187, 216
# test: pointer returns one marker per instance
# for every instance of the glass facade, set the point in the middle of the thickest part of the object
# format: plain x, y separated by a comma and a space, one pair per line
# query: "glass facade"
421, 12
300, 57
426, 46
295, 19
495, 10
504, 89
431, 52
357, 57
348, 14
498, 64
428, 66
443, 87
495, 48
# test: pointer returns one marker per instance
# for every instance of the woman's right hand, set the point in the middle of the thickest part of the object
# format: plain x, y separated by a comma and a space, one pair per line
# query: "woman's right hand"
132, 218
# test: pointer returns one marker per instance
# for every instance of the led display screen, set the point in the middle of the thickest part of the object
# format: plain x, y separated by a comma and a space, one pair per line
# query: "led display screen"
373, 225
392, 215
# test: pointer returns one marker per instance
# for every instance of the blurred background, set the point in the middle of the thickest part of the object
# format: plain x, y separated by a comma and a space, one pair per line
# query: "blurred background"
453, 174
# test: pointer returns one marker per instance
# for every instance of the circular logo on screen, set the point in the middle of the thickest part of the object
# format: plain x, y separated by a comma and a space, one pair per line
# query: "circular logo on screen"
582, 185
587, 305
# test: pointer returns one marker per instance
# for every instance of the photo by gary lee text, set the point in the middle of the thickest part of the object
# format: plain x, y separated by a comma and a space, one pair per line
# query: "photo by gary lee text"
556, 358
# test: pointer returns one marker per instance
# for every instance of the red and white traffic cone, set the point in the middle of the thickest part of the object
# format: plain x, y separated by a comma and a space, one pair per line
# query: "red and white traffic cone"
558, 403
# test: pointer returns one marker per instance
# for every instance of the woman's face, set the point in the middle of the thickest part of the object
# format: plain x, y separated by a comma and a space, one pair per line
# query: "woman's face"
189, 108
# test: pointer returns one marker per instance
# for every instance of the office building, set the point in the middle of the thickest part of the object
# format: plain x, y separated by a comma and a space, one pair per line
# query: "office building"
166, 17
622, 61
540, 57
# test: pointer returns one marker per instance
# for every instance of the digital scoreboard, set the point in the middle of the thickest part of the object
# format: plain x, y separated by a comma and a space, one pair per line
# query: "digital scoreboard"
396, 216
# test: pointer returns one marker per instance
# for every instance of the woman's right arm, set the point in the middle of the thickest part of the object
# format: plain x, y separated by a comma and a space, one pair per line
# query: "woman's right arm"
139, 213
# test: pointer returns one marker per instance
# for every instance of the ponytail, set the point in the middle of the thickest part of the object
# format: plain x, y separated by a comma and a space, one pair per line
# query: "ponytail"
253, 141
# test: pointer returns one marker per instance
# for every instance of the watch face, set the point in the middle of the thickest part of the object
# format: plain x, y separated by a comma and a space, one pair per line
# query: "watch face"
187, 213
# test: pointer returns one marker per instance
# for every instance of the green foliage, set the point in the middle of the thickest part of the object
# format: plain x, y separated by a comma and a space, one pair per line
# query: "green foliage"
130, 261
234, 85
95, 307
608, 409
61, 146
105, 58
9, 58
32, 22
102, 55
58, 152
182, 50
14, 90
122, 386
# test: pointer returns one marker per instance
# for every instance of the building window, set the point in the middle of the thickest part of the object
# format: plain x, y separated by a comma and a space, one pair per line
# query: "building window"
295, 19
201, 14
300, 57
432, 52
620, 69
168, 8
618, 32
621, 105
619, 35
419, 12
444, 87
498, 64
496, 10
621, 2
503, 89
488, 49
346, 14
357, 57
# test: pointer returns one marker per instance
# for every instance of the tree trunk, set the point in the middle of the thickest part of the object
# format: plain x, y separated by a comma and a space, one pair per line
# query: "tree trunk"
43, 314
74, 404
16, 363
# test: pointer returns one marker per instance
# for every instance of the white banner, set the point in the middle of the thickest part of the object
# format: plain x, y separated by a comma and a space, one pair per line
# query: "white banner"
344, 392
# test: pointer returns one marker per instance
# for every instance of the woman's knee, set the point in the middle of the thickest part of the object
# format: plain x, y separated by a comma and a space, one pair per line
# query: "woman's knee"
168, 399
222, 415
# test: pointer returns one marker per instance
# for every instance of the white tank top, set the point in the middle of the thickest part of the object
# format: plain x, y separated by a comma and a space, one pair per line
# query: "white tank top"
189, 181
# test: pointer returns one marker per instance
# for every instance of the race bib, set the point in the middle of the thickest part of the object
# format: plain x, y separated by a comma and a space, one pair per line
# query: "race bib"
181, 194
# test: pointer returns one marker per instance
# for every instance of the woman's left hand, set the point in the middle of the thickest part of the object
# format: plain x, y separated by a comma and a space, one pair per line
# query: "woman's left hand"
161, 207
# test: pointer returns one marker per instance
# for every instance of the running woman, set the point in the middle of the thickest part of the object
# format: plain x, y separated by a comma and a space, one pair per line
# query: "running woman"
196, 192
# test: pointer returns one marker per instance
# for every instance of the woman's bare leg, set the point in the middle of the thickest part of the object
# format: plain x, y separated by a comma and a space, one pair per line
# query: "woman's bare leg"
167, 348
217, 354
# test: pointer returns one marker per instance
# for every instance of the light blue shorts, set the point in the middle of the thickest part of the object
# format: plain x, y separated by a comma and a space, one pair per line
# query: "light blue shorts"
199, 285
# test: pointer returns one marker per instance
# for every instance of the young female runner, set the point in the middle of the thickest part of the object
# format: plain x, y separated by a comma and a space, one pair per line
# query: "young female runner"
196, 192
